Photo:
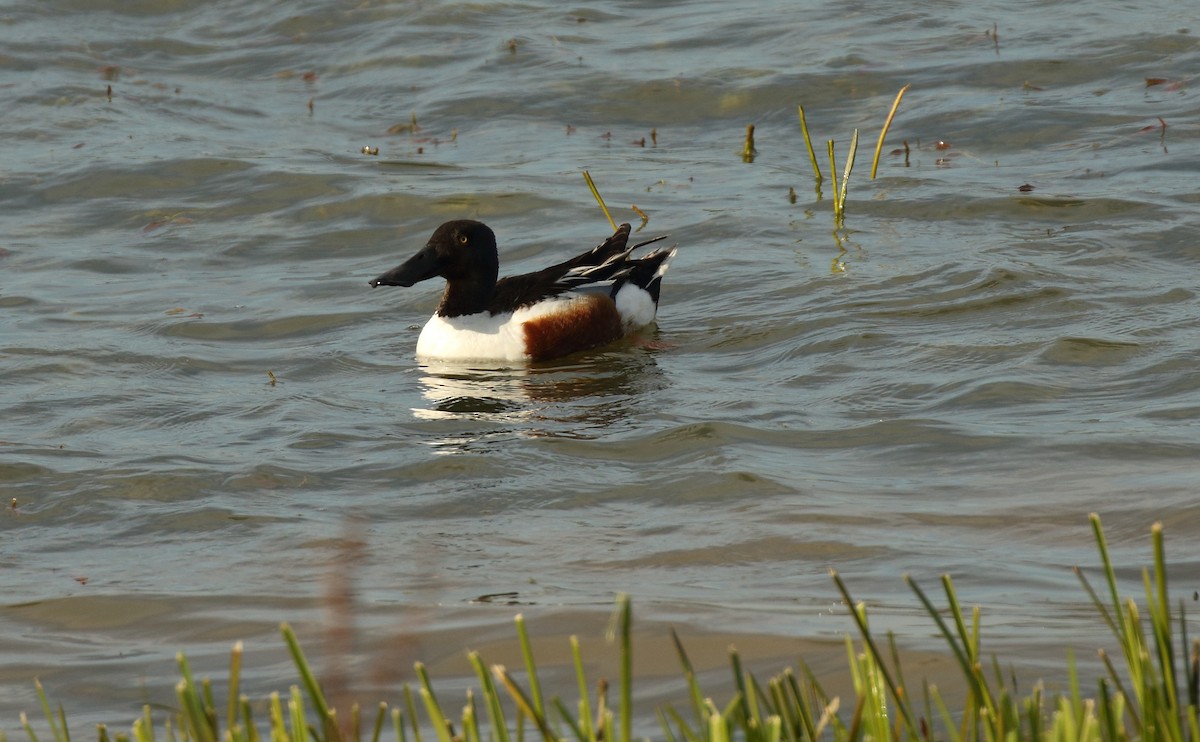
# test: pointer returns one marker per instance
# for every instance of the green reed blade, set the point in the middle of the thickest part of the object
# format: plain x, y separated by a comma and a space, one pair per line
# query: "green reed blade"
603, 715
748, 150
596, 195
495, 711
535, 688
688, 733
569, 718
1097, 602
193, 706
739, 682
869, 642
812, 156
620, 628
1116, 681
665, 725
426, 685
1105, 707
442, 725
210, 704
62, 722
1109, 575
964, 661
758, 696
797, 704
355, 722
841, 195
436, 718
781, 707
718, 730
1137, 657
806, 703
856, 719
380, 715
28, 728
586, 731
410, 707
146, 733
734, 707
689, 674
398, 725
470, 719
248, 719
894, 653
1160, 614
1194, 674
277, 724
927, 719
949, 726
523, 702
773, 729
60, 732
965, 637
837, 206
1033, 713
295, 707
829, 718
235, 671
886, 125
606, 725
311, 686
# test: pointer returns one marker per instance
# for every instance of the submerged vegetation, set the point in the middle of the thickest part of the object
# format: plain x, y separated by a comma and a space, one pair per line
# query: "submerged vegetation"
1154, 698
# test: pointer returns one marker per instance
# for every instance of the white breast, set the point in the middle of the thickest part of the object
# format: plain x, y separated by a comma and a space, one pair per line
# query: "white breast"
483, 336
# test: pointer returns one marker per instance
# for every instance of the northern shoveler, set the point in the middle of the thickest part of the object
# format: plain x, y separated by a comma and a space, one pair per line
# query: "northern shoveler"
585, 302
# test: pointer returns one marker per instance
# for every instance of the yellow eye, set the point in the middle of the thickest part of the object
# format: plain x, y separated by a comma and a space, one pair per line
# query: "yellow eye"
463, 239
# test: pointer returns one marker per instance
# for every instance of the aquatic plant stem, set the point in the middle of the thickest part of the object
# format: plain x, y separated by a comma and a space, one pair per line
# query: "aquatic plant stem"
870, 643
621, 628
837, 205
812, 156
60, 732
235, 671
596, 195
587, 732
748, 150
883, 132
535, 688
523, 703
490, 696
841, 195
200, 721
379, 719
310, 683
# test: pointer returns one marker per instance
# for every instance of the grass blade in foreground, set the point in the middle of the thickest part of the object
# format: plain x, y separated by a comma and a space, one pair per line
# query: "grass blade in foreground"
791, 707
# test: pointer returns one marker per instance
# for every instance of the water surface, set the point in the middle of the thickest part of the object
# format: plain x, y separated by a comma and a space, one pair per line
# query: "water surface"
948, 384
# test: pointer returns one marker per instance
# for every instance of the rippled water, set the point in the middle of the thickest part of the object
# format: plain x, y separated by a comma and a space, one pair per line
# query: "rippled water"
948, 384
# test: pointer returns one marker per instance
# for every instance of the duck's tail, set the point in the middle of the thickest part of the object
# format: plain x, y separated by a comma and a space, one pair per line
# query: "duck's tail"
647, 272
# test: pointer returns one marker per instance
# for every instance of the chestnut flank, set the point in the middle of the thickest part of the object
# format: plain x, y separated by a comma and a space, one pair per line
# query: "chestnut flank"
589, 322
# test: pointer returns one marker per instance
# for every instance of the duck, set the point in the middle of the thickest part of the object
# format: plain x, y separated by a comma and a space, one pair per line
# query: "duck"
580, 304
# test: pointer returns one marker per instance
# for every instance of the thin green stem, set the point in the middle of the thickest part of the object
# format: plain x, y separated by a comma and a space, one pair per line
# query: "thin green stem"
883, 132
812, 156
596, 195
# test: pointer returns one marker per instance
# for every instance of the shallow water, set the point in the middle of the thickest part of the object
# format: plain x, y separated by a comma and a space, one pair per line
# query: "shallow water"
949, 384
